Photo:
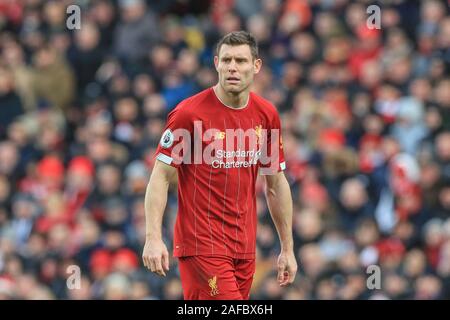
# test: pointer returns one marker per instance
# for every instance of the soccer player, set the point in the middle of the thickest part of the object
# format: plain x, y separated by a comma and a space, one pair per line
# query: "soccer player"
216, 142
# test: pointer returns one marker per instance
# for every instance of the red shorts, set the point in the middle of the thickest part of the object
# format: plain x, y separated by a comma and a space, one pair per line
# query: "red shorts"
216, 277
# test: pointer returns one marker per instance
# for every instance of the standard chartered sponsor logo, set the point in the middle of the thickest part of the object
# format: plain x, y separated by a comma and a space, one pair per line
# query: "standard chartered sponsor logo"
236, 153
252, 155
217, 164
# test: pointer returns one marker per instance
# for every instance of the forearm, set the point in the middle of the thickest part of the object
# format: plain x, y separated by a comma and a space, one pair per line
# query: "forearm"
155, 204
279, 201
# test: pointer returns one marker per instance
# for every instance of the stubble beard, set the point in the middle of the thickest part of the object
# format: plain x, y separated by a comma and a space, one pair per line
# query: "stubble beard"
235, 90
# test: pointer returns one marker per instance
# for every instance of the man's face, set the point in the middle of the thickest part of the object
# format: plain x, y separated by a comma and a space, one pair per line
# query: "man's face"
236, 67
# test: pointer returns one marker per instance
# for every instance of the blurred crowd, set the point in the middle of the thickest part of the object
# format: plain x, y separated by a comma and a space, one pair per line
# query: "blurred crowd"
365, 114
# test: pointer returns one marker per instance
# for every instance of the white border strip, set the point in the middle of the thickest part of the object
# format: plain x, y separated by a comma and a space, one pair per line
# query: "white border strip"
163, 158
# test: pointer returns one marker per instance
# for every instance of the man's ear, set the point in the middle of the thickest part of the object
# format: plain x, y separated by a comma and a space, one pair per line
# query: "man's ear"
216, 62
257, 66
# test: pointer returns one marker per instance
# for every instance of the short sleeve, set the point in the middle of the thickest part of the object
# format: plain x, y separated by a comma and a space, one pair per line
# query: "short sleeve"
176, 138
272, 159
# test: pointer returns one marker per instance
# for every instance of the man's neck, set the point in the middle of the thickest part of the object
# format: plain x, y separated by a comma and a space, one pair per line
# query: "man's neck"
235, 101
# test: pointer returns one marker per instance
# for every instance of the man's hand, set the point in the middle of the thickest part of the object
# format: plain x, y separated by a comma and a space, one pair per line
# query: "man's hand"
156, 257
287, 268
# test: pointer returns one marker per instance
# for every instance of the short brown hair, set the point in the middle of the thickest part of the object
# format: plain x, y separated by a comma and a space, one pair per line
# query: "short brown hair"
237, 38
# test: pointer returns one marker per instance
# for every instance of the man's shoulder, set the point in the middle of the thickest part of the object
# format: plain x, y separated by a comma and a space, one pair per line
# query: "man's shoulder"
195, 100
263, 104
189, 105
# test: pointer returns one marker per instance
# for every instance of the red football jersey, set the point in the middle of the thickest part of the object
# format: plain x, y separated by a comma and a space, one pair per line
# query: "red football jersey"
218, 152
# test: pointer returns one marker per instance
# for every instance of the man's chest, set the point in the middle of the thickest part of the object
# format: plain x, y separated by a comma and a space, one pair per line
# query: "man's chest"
228, 141
231, 131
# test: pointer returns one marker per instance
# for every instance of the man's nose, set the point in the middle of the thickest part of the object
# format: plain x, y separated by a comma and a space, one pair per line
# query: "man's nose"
232, 66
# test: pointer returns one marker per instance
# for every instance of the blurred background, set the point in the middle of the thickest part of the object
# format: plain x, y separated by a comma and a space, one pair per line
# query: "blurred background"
366, 138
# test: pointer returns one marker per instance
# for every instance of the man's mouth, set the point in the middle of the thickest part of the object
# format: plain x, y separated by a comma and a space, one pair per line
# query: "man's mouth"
232, 80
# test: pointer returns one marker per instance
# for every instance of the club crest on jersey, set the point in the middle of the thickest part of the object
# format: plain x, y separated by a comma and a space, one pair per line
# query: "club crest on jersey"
166, 139
258, 132
213, 285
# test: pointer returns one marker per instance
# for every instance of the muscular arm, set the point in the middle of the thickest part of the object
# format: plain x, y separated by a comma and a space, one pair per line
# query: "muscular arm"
155, 255
279, 201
